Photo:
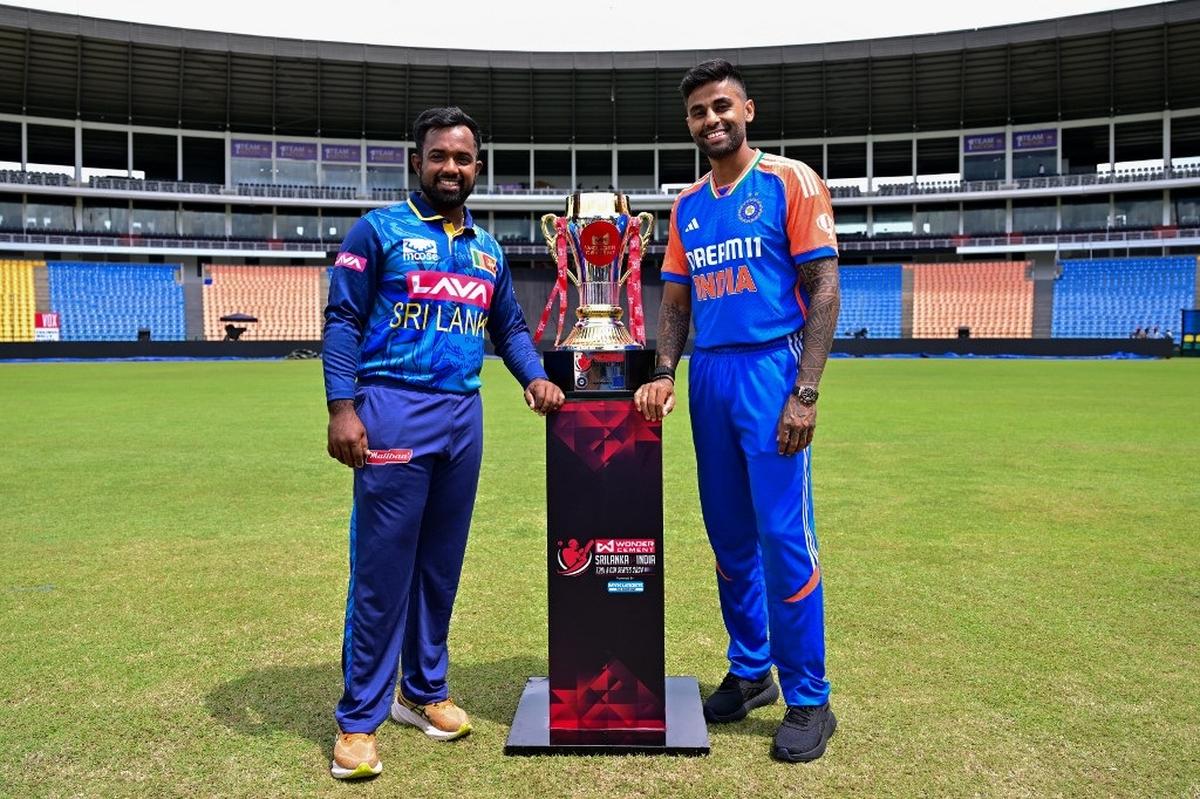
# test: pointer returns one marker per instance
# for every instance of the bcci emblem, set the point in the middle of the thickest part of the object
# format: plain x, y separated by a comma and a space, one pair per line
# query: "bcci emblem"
751, 209
574, 559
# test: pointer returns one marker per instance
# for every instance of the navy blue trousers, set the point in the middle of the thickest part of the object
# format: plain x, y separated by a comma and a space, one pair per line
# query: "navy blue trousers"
758, 511
408, 533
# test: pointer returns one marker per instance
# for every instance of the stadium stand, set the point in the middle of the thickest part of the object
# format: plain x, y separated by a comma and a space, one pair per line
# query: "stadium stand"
994, 300
871, 301
285, 300
17, 300
113, 302
1112, 298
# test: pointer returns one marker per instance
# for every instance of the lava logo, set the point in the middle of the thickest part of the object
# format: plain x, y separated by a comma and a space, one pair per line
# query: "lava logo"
751, 209
351, 261
388, 457
574, 559
418, 250
825, 223
481, 260
446, 286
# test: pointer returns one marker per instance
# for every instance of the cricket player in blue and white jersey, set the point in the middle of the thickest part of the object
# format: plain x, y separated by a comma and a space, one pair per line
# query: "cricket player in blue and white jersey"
752, 259
414, 289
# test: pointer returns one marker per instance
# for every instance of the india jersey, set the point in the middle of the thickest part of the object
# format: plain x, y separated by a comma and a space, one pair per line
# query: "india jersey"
410, 299
739, 249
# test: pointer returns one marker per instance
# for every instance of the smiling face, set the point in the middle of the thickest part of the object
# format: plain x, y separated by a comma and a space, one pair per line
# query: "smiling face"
447, 166
717, 114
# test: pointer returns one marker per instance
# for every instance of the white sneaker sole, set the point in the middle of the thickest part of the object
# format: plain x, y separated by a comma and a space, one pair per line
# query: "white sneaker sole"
403, 715
362, 770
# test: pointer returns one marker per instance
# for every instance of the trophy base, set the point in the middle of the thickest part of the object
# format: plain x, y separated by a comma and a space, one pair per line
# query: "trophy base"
599, 336
686, 732
598, 373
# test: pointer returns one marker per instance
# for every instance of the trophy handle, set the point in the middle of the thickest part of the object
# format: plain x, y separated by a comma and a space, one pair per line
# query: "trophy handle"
647, 228
548, 231
645, 231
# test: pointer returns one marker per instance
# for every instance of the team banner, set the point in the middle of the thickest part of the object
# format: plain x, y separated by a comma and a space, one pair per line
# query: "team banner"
385, 155
250, 148
296, 151
1035, 139
341, 153
983, 143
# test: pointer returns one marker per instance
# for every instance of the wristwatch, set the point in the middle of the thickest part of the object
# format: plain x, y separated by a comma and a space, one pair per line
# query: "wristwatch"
806, 394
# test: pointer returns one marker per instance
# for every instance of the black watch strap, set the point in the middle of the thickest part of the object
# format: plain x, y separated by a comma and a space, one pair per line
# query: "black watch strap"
664, 371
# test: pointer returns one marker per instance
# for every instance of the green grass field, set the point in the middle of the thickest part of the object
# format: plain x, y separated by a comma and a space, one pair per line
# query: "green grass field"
1010, 549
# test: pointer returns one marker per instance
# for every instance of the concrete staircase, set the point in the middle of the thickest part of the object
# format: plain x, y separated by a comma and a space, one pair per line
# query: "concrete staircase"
1043, 273
193, 302
906, 302
41, 289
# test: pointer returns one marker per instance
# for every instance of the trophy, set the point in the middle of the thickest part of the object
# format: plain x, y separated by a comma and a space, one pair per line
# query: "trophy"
605, 242
606, 690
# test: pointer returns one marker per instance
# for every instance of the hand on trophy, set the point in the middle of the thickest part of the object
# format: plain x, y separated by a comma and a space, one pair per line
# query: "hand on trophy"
543, 397
656, 399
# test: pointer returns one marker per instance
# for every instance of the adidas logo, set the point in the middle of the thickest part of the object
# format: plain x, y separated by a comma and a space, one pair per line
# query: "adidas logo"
693, 225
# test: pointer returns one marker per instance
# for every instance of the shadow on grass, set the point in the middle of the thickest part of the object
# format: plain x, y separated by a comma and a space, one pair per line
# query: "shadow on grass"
299, 700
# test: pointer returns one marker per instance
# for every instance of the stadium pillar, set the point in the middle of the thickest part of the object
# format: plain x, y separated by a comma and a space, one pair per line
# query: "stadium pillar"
24, 145
78, 151
1166, 139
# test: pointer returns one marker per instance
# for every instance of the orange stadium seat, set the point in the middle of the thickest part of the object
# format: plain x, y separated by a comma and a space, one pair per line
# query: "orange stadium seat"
995, 300
286, 300
18, 299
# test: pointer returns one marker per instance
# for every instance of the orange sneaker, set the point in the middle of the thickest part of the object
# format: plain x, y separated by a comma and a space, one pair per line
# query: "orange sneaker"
443, 721
355, 756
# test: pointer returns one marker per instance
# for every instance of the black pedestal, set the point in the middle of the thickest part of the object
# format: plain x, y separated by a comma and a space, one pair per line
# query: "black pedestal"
686, 732
607, 690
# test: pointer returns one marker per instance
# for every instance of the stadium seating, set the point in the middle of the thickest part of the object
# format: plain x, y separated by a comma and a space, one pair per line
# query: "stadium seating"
871, 300
286, 300
112, 302
995, 300
1111, 298
17, 299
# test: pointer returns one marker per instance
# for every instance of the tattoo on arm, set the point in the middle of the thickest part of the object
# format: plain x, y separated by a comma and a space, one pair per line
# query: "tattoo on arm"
824, 301
673, 323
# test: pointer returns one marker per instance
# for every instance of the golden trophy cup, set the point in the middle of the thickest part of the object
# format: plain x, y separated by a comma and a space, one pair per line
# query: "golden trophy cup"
604, 241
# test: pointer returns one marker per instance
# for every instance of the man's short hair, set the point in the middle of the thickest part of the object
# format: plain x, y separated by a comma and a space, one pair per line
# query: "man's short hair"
451, 117
713, 71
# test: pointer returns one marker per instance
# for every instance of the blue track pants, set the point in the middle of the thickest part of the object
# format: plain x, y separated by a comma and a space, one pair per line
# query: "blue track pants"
408, 534
757, 507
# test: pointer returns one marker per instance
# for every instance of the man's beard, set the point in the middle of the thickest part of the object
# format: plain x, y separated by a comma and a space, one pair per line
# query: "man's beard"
735, 135
442, 199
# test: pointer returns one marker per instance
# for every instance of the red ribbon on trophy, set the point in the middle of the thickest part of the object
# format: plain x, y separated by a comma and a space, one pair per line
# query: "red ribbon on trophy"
633, 285
560, 284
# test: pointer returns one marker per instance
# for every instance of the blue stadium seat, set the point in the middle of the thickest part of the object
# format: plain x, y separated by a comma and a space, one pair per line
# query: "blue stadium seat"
1112, 297
871, 298
111, 302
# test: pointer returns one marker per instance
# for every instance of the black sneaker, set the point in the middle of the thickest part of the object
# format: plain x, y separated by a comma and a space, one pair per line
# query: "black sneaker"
803, 733
737, 696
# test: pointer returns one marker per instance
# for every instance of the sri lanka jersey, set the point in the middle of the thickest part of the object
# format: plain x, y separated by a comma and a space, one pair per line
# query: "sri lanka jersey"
739, 249
410, 298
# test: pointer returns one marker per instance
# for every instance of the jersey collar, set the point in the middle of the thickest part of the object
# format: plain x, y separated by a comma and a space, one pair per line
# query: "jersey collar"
426, 213
712, 186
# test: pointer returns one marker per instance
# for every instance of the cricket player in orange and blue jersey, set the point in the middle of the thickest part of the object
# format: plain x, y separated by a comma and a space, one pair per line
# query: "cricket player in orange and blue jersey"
752, 259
